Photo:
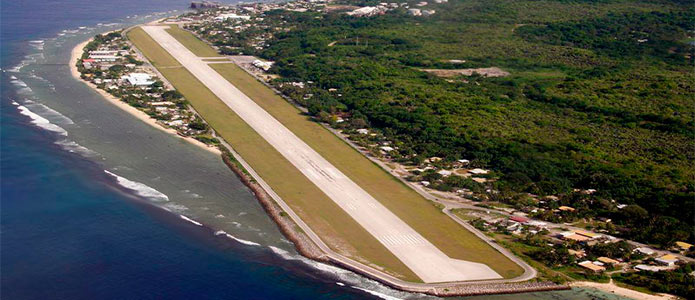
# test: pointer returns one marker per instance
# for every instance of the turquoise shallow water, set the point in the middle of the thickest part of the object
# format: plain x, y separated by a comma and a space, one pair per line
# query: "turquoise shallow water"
72, 230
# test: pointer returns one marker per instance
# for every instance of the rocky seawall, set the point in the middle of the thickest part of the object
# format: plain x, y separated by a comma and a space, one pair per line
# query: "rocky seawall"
302, 243
308, 249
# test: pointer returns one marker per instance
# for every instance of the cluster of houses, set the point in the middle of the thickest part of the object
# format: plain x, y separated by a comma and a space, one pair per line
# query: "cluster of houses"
118, 72
219, 23
579, 242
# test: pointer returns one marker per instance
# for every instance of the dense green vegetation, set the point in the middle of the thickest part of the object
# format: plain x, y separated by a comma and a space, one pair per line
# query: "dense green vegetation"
600, 94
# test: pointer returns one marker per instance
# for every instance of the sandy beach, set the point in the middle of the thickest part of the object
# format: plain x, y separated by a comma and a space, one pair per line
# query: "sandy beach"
77, 53
621, 291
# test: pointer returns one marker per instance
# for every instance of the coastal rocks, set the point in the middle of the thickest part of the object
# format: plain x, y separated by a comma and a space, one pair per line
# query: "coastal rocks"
497, 288
301, 242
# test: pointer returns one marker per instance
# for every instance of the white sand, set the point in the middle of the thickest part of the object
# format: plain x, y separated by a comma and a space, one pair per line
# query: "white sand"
74, 57
621, 291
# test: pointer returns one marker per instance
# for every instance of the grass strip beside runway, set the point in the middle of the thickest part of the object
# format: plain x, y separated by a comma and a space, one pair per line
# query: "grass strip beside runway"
327, 219
446, 234
193, 43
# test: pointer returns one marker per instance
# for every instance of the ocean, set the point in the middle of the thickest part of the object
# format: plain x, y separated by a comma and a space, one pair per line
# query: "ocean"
95, 204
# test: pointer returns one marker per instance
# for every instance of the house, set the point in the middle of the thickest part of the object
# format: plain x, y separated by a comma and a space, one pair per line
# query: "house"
607, 260
365, 11
644, 250
591, 266
667, 260
479, 180
386, 148
575, 237
566, 208
162, 103
428, 12
571, 236
138, 79
478, 171
363, 131
649, 268
264, 65
103, 57
683, 246
444, 172
587, 234
224, 17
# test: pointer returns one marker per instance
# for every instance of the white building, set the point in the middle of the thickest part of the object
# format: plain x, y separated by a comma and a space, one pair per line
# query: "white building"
644, 250
103, 57
264, 65
138, 79
478, 171
223, 17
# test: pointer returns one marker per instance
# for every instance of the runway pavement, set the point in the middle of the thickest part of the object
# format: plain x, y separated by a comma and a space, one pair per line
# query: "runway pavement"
421, 256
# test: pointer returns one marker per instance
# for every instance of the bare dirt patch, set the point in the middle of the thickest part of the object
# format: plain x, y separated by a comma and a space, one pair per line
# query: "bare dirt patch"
486, 72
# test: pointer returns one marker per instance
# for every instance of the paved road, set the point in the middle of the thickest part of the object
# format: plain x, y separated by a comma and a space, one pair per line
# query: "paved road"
421, 256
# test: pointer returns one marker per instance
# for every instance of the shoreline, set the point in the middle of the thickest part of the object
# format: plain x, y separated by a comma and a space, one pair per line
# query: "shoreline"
612, 288
76, 53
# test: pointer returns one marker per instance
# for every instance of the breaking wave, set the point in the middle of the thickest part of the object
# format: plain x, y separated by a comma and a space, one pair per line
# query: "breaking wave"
41, 121
74, 147
245, 242
344, 276
140, 189
37, 44
191, 220
375, 293
22, 87
173, 207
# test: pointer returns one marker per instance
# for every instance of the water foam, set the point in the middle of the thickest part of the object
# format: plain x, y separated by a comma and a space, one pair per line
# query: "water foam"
174, 207
37, 44
245, 242
345, 276
41, 121
140, 189
51, 114
73, 147
375, 293
191, 220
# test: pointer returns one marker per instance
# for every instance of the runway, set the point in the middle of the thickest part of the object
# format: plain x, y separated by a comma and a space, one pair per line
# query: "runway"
422, 257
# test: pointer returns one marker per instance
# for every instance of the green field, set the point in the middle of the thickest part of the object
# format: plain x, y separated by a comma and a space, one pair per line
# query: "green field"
454, 240
191, 42
337, 229
446, 234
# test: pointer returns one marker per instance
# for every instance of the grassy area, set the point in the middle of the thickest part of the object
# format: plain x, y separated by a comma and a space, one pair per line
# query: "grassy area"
156, 55
191, 42
328, 220
447, 235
